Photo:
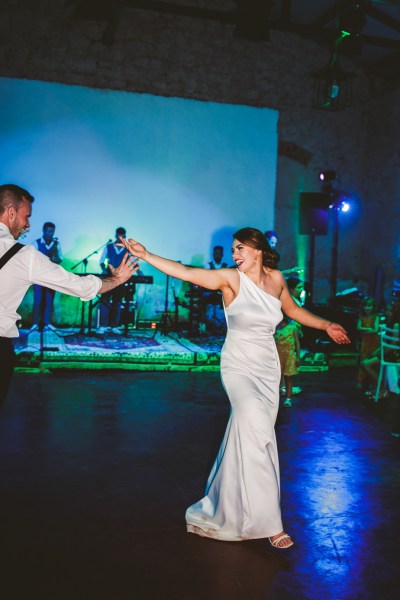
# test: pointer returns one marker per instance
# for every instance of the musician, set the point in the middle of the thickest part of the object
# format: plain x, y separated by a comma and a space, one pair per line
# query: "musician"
111, 303
216, 262
43, 298
272, 238
212, 299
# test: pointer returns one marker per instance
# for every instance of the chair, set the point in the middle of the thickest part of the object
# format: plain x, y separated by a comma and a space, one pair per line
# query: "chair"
389, 354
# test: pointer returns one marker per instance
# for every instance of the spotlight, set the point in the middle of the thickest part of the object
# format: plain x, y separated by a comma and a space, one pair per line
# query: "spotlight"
340, 203
327, 176
345, 206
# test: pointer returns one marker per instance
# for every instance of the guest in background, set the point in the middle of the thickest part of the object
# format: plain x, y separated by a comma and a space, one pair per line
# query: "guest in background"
111, 303
392, 317
43, 297
392, 320
296, 289
368, 330
371, 364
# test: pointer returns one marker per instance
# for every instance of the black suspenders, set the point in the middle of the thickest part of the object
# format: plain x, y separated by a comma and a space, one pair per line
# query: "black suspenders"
10, 253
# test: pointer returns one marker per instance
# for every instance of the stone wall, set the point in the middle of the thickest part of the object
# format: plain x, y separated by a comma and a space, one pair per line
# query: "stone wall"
381, 185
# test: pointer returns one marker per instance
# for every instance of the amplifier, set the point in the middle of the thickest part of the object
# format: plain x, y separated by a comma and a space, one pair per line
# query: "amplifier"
146, 324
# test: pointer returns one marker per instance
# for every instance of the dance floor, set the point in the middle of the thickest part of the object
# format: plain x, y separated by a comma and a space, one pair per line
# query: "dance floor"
97, 469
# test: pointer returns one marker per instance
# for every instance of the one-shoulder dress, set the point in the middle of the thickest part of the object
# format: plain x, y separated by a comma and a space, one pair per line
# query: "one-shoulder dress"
242, 498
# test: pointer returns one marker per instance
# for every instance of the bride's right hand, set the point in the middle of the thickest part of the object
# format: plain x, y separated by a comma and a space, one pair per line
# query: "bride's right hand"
134, 247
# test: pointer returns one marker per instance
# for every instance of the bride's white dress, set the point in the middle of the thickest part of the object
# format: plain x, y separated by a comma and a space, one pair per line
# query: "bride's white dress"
242, 498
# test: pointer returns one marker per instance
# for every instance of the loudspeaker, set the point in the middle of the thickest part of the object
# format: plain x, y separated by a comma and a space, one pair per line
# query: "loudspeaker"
313, 213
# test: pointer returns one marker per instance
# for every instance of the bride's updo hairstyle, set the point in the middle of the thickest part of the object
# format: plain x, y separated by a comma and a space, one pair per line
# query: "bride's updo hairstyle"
256, 239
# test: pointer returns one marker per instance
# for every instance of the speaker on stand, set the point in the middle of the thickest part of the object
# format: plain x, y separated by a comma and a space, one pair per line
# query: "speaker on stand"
313, 221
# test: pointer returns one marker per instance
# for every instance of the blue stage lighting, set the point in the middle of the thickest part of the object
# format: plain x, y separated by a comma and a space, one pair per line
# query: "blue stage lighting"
345, 206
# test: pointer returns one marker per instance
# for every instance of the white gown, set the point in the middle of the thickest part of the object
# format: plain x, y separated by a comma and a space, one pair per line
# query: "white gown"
242, 498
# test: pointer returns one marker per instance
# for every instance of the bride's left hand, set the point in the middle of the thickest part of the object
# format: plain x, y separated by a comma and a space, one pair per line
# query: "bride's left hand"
337, 333
134, 247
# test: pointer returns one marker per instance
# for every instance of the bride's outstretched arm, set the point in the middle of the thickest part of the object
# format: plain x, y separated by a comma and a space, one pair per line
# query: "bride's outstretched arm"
213, 280
335, 331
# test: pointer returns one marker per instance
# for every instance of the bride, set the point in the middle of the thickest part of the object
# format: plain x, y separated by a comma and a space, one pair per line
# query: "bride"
242, 496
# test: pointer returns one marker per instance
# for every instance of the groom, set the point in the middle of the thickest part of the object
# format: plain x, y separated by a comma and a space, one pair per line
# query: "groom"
21, 266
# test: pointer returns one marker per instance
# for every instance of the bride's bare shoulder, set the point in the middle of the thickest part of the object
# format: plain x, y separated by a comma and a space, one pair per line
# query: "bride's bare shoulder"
275, 275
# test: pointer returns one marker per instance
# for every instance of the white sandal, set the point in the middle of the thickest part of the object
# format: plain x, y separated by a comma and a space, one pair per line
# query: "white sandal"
275, 543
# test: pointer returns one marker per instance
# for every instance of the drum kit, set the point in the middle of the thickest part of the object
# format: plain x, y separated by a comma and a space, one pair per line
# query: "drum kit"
130, 311
206, 312
129, 304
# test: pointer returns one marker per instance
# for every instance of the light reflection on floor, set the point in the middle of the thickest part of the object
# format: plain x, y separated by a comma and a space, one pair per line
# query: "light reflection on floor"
97, 470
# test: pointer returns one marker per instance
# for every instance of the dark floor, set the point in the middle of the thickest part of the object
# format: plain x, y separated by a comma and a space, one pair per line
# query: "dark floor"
97, 470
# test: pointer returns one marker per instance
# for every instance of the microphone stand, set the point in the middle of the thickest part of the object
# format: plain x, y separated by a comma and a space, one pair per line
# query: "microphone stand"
84, 262
176, 310
166, 320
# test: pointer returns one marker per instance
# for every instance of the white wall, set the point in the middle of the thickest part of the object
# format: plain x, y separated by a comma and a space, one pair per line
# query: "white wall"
180, 175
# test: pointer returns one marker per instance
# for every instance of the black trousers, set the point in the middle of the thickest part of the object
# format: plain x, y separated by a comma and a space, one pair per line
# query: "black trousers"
7, 364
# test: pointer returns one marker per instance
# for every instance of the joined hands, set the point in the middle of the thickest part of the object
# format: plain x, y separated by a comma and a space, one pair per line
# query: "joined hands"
134, 248
125, 269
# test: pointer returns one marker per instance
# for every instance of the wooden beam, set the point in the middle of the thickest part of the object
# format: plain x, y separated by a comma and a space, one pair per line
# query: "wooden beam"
382, 17
180, 9
329, 15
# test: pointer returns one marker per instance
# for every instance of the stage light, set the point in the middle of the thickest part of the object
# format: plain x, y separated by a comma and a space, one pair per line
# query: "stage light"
345, 206
338, 203
327, 176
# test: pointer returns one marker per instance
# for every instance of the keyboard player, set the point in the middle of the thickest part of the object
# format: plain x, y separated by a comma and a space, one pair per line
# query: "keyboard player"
114, 306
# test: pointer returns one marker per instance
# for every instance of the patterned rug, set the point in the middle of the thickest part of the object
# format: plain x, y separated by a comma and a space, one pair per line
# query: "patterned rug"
111, 342
209, 343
